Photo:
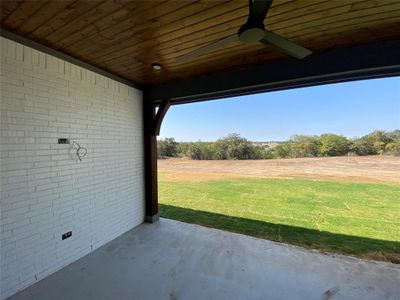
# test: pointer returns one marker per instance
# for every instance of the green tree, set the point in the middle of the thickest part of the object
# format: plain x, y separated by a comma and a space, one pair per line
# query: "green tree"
394, 135
380, 139
393, 148
234, 146
284, 150
333, 145
195, 151
201, 151
375, 142
305, 146
183, 149
167, 148
363, 146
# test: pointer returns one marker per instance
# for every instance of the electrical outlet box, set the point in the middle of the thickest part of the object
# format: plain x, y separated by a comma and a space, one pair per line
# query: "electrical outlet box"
63, 141
66, 235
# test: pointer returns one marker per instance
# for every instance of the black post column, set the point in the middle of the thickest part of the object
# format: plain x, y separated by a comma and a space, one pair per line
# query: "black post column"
150, 160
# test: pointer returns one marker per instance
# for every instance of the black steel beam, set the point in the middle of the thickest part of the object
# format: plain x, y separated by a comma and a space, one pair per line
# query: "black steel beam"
347, 64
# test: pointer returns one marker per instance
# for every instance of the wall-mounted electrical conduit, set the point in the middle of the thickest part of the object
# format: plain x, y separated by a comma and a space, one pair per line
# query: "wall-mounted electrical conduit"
80, 151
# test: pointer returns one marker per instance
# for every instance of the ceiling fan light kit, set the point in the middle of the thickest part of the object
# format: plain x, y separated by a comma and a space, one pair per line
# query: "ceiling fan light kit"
252, 32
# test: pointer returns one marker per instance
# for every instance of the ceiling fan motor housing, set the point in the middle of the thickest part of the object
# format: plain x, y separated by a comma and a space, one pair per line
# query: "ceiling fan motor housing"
251, 33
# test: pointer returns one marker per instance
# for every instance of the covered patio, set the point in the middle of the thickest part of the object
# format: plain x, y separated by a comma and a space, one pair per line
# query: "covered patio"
174, 260
85, 86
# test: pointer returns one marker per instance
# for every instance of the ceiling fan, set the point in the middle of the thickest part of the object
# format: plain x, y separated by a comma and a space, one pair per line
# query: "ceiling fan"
251, 32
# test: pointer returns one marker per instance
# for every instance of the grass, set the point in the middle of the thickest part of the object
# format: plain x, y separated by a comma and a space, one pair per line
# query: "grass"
359, 219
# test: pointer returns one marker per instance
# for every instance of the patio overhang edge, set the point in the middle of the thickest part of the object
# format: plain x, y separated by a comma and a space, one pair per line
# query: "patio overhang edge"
346, 64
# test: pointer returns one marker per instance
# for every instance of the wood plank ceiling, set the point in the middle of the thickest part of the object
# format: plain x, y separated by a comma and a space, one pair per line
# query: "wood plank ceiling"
126, 37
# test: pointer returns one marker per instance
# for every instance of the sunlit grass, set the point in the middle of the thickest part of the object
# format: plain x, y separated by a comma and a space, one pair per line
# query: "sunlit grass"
361, 219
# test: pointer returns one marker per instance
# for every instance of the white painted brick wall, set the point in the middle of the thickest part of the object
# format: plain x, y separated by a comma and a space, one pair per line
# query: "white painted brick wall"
45, 190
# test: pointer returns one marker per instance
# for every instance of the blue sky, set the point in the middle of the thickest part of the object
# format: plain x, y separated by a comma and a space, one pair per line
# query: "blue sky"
350, 109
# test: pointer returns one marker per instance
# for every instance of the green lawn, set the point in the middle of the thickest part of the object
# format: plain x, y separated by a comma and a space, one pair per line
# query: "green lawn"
359, 219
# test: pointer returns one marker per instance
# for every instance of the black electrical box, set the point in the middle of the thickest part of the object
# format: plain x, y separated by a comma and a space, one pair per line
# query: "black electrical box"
63, 141
66, 235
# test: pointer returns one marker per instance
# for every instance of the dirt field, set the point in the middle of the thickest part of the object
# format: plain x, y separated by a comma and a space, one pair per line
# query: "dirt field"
377, 169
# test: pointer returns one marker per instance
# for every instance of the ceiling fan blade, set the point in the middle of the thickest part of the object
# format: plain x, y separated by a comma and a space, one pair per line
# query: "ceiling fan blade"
284, 45
205, 49
258, 9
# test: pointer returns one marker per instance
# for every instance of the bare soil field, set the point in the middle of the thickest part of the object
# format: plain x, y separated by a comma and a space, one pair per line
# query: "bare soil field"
378, 169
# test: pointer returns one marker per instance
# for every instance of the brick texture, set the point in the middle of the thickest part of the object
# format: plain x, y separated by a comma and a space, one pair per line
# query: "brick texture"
45, 190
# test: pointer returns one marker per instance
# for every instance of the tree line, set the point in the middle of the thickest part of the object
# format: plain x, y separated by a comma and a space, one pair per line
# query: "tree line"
234, 146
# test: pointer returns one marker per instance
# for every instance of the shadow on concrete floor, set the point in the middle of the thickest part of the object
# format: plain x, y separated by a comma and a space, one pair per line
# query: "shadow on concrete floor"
172, 260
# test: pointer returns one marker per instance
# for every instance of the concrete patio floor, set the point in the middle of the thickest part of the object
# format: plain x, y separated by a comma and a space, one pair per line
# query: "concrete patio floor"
173, 260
